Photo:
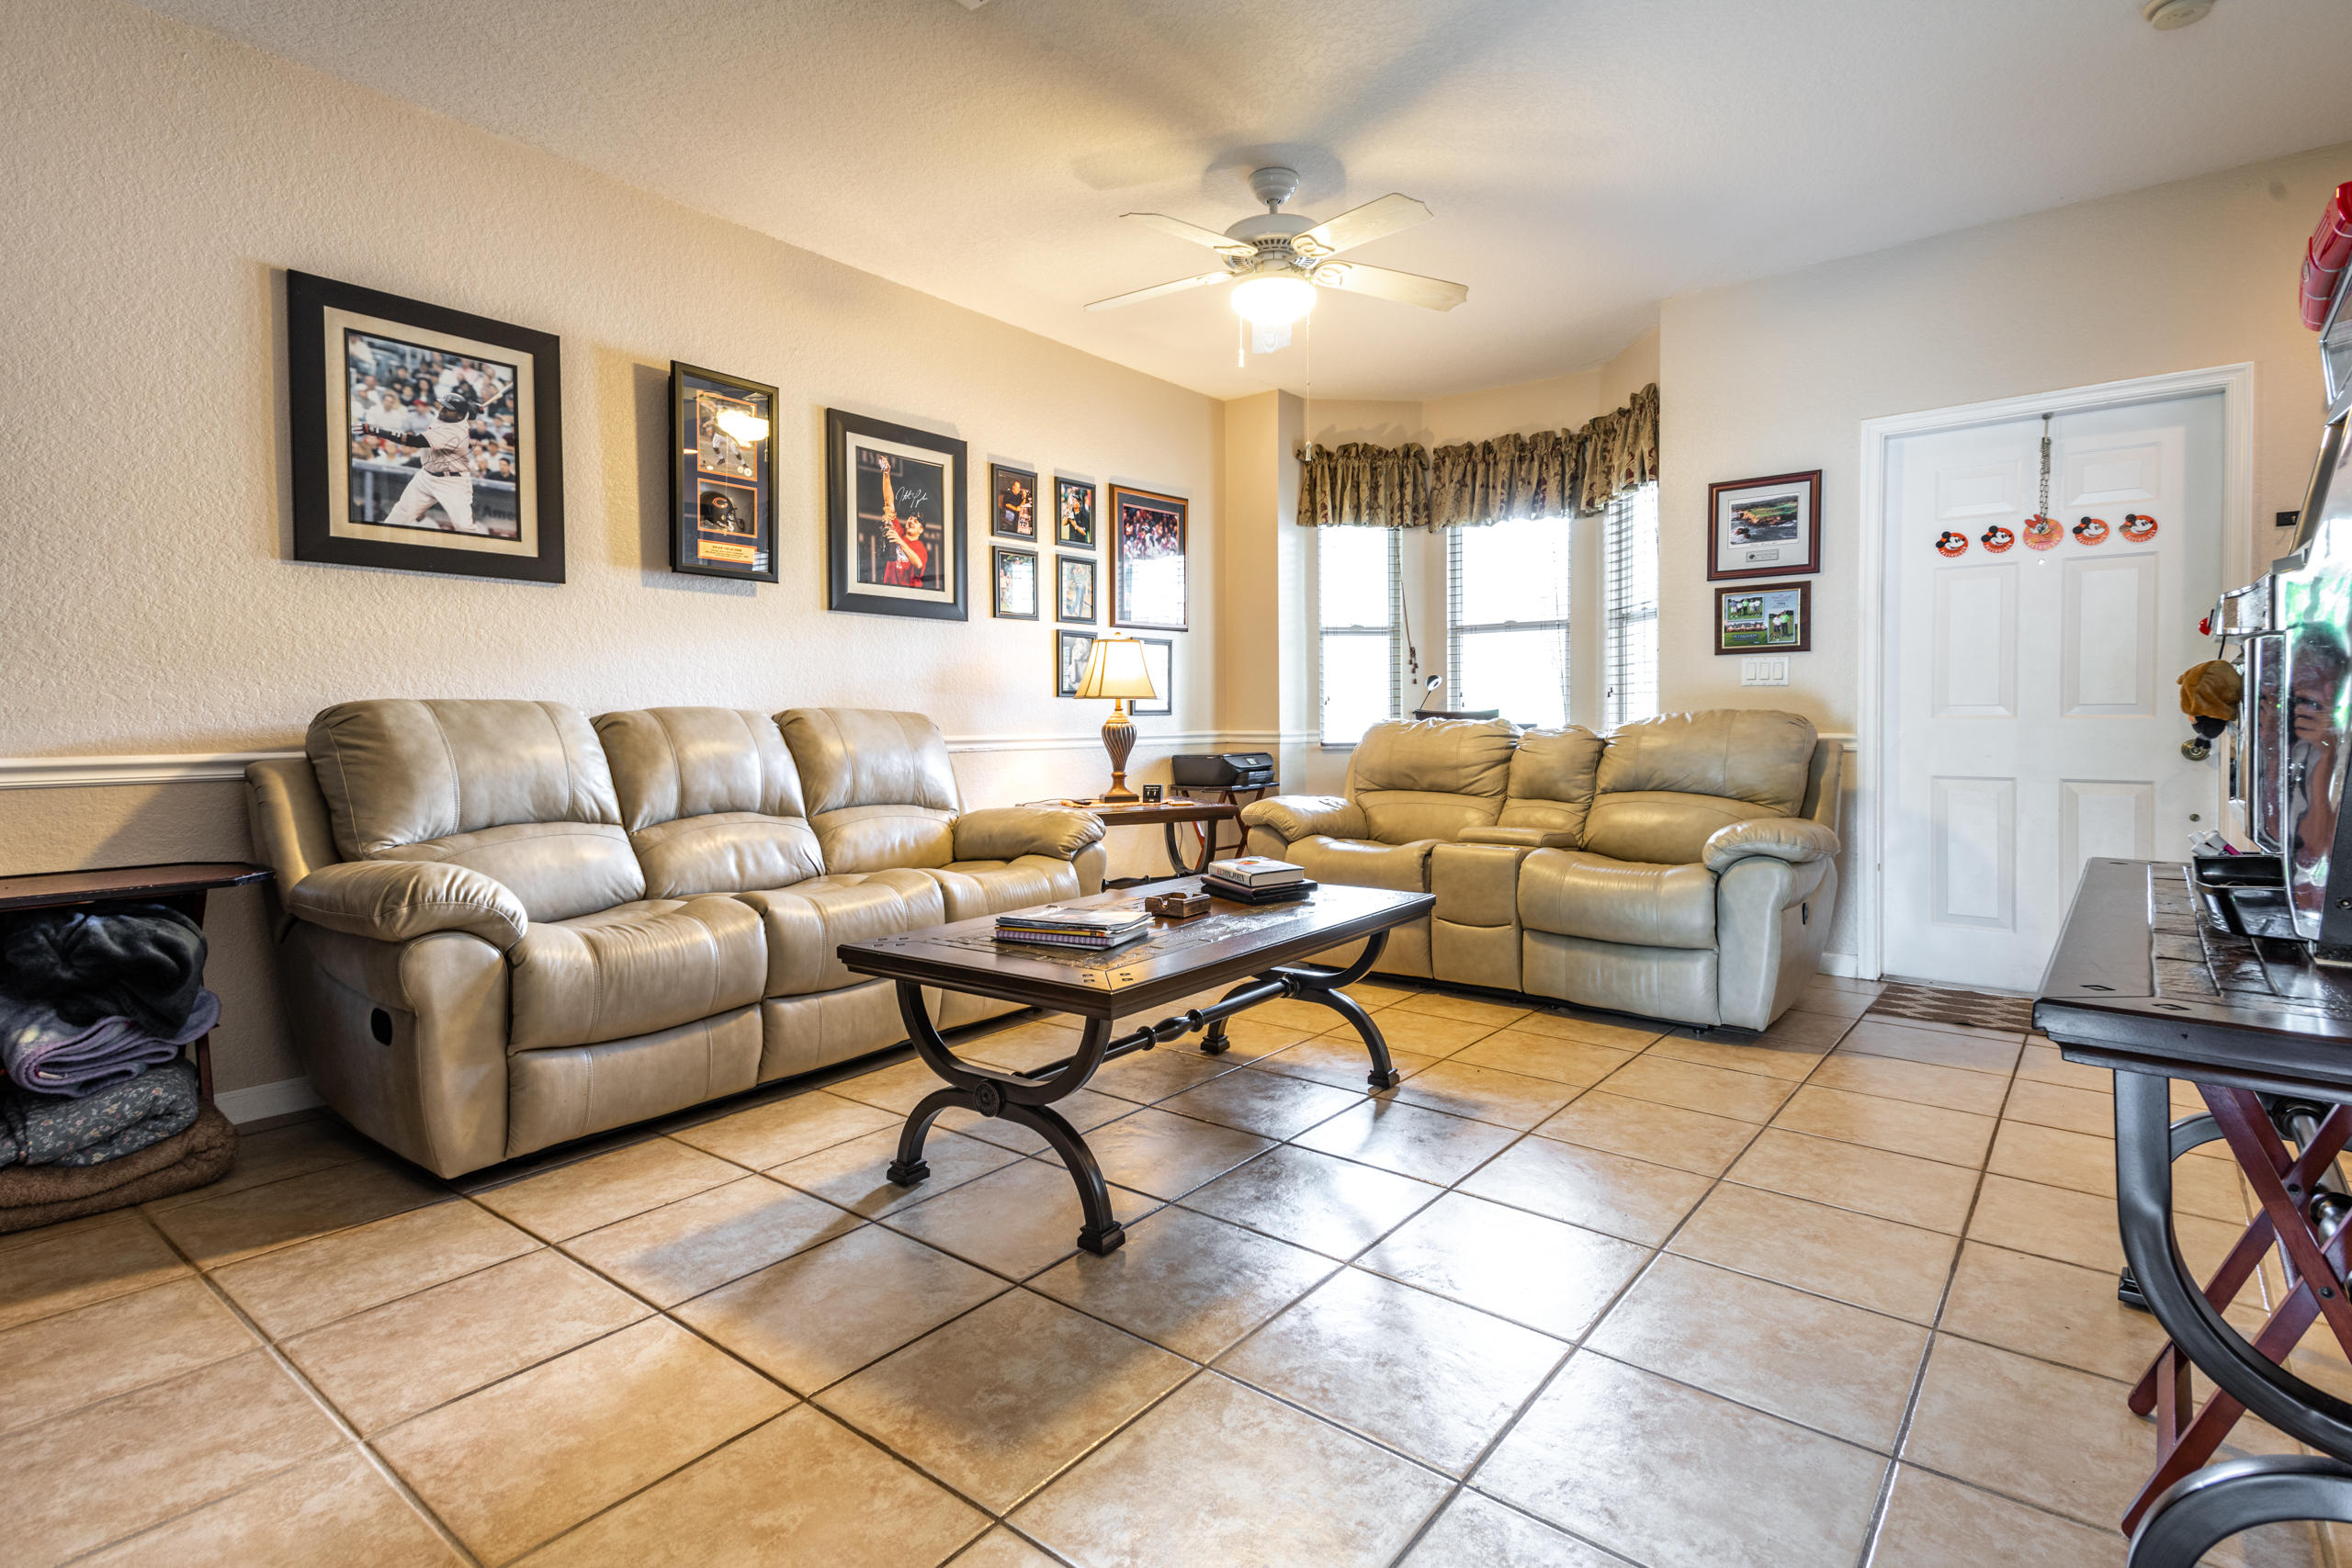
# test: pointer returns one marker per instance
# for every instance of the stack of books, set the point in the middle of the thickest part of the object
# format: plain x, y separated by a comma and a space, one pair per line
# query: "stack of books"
1256, 879
1060, 925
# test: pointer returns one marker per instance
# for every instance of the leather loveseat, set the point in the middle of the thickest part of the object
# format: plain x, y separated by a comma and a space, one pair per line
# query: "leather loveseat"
508, 927
1682, 868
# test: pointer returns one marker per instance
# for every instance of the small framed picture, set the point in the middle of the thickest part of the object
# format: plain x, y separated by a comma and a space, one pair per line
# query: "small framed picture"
1074, 589
1071, 649
1012, 503
1767, 527
424, 439
1014, 572
894, 519
1147, 590
1074, 513
1773, 617
722, 478
1160, 663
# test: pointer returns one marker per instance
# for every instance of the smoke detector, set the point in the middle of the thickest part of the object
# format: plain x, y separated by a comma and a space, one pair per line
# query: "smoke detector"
2166, 14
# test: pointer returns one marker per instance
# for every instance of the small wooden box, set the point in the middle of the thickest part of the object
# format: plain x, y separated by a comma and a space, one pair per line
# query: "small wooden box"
1178, 906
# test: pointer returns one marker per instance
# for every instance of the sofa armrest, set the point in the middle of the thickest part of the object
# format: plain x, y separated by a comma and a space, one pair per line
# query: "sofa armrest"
394, 900
1520, 838
1008, 832
1296, 816
1792, 839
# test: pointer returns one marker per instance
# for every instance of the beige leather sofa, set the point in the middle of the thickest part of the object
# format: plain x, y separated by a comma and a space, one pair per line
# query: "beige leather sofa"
1683, 868
507, 926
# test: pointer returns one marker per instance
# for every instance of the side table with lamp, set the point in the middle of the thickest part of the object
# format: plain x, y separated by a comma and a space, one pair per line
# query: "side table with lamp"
1115, 669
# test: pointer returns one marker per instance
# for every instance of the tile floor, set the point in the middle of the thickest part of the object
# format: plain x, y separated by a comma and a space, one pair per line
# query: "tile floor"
1577, 1293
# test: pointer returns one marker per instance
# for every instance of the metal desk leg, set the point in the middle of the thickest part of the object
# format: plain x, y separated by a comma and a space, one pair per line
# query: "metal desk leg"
2223, 1500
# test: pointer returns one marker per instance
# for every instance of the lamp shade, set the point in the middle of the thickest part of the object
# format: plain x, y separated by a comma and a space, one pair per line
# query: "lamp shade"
1115, 668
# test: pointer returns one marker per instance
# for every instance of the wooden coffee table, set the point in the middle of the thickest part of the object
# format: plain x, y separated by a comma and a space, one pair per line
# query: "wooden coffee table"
1260, 946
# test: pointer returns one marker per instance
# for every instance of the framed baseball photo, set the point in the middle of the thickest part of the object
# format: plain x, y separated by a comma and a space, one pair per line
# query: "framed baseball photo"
1074, 513
1159, 662
1012, 503
722, 476
1014, 574
1772, 617
424, 439
1767, 527
1147, 590
1074, 589
894, 517
1071, 649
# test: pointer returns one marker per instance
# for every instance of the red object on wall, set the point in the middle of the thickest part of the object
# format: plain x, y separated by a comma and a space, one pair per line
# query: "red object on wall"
2328, 254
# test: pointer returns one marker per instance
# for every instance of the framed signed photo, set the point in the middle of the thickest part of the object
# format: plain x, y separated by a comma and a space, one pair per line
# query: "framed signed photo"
1773, 617
1012, 503
1015, 575
1159, 662
1074, 513
1148, 560
1074, 589
1767, 527
894, 519
1071, 649
424, 439
722, 474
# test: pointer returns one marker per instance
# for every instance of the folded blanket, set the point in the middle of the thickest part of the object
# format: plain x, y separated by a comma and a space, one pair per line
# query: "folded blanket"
45, 1054
44, 1194
143, 961
41, 1129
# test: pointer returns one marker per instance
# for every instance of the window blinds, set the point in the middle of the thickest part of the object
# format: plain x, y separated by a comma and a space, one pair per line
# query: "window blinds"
1507, 619
1358, 601
1628, 606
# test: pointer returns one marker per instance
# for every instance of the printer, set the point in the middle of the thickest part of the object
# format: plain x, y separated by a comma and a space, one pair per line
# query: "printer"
1222, 770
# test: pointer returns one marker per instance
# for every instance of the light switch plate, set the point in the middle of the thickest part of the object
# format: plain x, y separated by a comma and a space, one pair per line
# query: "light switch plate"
1767, 671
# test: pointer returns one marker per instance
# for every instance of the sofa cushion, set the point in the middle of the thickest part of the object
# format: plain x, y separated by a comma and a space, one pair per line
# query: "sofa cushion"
1354, 863
805, 922
977, 887
1552, 780
1666, 783
710, 798
517, 790
1430, 778
633, 969
1576, 893
879, 788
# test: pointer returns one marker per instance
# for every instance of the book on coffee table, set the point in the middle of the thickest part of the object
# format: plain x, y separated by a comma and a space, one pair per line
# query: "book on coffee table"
1274, 892
1255, 871
1060, 925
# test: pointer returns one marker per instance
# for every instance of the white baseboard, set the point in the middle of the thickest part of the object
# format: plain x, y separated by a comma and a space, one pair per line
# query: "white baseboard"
1845, 966
267, 1100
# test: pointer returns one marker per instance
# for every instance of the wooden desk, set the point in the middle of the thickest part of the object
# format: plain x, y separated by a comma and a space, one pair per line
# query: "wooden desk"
1167, 813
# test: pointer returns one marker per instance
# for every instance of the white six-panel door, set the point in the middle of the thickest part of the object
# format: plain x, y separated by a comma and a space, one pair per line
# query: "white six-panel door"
2033, 718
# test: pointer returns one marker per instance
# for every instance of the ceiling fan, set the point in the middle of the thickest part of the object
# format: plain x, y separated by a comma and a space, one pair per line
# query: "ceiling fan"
1277, 262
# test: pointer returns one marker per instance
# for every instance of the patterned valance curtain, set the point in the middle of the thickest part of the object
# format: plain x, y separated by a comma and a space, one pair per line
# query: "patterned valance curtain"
1547, 474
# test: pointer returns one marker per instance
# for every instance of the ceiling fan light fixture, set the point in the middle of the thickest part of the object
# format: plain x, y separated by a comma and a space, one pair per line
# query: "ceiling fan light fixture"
1272, 299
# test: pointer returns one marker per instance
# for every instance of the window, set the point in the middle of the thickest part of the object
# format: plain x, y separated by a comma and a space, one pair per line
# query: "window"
1356, 608
1507, 604
1628, 606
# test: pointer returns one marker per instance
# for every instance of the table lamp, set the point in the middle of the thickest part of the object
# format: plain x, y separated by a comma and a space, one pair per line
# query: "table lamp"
1114, 668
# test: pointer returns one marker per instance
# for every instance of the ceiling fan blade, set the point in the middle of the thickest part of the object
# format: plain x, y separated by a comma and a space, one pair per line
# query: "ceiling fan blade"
1193, 232
1177, 286
1405, 288
1359, 224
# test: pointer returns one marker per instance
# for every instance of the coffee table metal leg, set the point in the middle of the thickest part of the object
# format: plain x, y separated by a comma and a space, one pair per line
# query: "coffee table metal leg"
1101, 1233
1309, 984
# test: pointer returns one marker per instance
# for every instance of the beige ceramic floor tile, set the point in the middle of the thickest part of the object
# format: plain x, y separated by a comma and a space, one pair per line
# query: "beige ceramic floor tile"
2044, 1064
1922, 1192
1935, 1523
1616, 1033
72, 1266
1269, 1104
1015, 1221
1291, 1012
1331, 1206
1428, 1145
1774, 1058
1832, 1002
97, 1474
2055, 1310
1219, 1474
1891, 1078
1674, 1478
1464, 1010
801, 1491
335, 1508
1821, 1364
821, 1315
1341, 1063
2056, 1437
260, 1219
698, 1243
785, 1130
1535, 1271
897, 1088
1479, 1532
1000, 1400
1187, 1282
1573, 1061
1813, 1031
2055, 1105
1663, 1134
1937, 1047
1423, 1035
526, 1458
1018, 1047
1955, 1138
857, 1174
298, 1148
1166, 1155
1621, 1197
1888, 1268
317, 1282
2079, 1228
405, 1356
1002, 1548
1247, 1037
63, 1362
1485, 1094
1744, 1097
1082, 1108
1148, 1077
591, 1193
1421, 1374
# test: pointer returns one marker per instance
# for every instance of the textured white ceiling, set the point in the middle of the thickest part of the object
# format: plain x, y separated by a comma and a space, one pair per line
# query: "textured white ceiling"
1585, 158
